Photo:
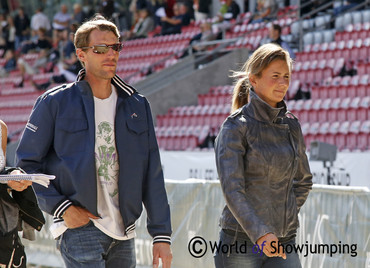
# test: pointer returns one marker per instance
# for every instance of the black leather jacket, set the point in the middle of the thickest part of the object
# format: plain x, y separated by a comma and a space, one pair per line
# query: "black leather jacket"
263, 169
20, 204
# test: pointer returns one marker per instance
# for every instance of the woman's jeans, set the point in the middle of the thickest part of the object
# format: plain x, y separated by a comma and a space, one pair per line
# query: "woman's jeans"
87, 246
245, 254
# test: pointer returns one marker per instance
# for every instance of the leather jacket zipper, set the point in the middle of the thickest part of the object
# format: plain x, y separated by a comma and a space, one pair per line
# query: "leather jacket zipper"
290, 181
31, 216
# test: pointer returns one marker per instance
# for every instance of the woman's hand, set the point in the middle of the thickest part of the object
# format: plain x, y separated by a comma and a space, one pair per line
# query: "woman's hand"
18, 185
265, 241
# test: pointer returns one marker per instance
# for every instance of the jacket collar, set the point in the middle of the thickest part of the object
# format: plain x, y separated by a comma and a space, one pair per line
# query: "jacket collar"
122, 87
261, 111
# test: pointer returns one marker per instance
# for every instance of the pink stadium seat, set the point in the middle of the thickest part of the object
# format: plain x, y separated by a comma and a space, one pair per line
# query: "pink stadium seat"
317, 90
312, 133
343, 110
363, 138
351, 138
315, 111
333, 111
363, 112
352, 112
324, 132
343, 88
324, 111
290, 105
305, 128
340, 138
333, 131
363, 88
306, 111
298, 108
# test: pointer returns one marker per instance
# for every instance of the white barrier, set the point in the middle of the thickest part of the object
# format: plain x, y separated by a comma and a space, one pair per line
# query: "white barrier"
351, 169
333, 215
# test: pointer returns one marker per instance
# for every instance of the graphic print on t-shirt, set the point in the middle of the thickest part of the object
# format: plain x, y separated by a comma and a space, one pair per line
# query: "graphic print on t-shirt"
106, 157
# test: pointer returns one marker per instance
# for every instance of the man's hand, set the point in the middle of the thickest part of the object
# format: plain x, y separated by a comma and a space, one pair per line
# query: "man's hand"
75, 217
18, 185
163, 251
264, 242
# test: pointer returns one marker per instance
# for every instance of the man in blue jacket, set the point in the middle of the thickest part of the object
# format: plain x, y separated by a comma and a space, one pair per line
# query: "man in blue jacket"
97, 137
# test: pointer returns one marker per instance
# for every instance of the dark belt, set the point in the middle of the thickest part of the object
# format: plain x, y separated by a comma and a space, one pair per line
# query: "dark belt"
244, 236
234, 233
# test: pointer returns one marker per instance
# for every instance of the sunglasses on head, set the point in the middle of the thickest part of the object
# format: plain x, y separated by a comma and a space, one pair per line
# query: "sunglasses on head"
103, 49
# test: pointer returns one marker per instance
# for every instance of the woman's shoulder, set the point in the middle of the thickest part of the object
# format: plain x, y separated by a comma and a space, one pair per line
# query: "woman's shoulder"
236, 120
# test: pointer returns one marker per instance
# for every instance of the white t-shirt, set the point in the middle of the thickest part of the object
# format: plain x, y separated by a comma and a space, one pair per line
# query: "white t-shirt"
61, 17
40, 20
107, 168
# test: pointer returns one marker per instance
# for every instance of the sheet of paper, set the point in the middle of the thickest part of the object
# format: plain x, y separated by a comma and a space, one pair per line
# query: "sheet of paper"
41, 179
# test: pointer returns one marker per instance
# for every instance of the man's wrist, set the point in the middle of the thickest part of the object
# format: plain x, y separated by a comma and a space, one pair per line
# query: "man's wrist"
162, 239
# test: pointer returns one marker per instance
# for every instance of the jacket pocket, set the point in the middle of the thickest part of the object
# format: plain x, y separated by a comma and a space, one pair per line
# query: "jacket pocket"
70, 135
71, 124
137, 126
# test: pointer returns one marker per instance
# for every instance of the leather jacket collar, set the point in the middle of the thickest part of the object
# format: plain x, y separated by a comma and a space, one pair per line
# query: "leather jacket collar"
261, 111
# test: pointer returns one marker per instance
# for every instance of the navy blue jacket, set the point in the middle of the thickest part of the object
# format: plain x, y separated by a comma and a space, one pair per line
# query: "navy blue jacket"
59, 139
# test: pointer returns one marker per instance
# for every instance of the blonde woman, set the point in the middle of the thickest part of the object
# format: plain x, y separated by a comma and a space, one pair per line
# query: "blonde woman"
262, 166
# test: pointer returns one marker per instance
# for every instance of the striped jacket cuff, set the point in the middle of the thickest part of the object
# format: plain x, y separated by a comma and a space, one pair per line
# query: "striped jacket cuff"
58, 213
162, 239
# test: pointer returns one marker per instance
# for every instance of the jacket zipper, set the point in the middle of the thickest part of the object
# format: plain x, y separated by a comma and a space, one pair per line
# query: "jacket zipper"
31, 217
290, 181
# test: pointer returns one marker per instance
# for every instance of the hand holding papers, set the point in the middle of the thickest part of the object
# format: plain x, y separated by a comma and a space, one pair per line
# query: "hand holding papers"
41, 179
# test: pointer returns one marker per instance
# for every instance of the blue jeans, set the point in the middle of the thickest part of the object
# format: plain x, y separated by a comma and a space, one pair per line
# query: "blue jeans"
87, 246
245, 254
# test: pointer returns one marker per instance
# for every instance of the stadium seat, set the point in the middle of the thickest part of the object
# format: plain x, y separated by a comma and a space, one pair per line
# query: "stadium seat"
363, 138
340, 137
351, 137
333, 111
313, 133
323, 132
329, 35
308, 38
342, 90
315, 115
363, 87
343, 109
352, 113
324, 109
363, 112
357, 17
305, 131
306, 111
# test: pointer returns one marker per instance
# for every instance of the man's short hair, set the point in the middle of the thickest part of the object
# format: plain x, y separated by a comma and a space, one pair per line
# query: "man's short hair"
98, 22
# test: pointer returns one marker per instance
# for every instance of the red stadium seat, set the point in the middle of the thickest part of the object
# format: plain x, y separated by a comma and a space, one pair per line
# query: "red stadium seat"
351, 138
324, 111
352, 113
333, 111
364, 85
363, 112
324, 132
315, 111
363, 138
343, 110
340, 138
306, 111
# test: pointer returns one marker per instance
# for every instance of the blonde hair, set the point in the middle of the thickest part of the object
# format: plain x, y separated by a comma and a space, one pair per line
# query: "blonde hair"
256, 63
